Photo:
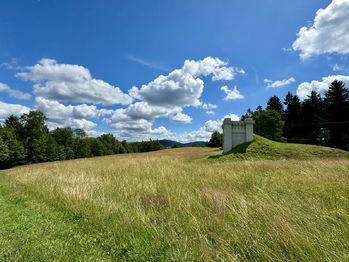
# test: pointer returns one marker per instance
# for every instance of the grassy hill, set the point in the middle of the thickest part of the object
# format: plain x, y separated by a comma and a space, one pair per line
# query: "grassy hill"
262, 149
161, 206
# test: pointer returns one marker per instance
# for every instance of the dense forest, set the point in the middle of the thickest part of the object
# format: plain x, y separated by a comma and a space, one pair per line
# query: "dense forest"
26, 139
315, 120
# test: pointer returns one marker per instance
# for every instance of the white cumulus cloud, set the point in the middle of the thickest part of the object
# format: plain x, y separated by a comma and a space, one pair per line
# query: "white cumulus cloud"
66, 82
14, 93
137, 120
11, 109
305, 88
56, 84
183, 87
208, 106
59, 115
279, 83
329, 32
12, 64
181, 118
232, 94
166, 96
176, 89
135, 129
337, 68
204, 132
211, 66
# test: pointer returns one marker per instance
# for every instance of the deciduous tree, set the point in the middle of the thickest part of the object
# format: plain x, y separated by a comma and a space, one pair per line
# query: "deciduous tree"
216, 139
268, 123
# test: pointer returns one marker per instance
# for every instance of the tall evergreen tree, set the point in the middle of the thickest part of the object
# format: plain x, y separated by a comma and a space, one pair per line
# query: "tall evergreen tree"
248, 114
310, 118
337, 114
259, 108
292, 116
274, 103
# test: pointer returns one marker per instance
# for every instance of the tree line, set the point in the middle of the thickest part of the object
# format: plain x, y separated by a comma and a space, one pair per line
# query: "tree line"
27, 139
315, 120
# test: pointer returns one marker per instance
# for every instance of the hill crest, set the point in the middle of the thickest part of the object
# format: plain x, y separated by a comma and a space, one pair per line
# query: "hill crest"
264, 149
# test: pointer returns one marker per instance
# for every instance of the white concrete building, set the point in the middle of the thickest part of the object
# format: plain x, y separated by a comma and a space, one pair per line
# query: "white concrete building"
236, 133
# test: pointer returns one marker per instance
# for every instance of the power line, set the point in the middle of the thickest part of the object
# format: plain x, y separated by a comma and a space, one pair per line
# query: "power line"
321, 123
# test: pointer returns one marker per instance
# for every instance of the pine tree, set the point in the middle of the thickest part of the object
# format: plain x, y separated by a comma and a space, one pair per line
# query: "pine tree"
274, 103
292, 116
337, 114
311, 118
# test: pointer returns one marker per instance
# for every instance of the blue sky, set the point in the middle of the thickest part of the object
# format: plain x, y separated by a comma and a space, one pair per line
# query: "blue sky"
97, 65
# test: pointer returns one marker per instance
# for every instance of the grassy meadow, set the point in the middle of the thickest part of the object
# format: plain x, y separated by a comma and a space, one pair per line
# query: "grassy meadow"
169, 206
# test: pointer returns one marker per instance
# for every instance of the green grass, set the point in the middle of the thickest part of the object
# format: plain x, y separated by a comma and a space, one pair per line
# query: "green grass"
262, 149
31, 230
161, 207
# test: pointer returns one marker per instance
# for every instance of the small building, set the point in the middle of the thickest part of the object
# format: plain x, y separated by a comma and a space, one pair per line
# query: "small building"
236, 133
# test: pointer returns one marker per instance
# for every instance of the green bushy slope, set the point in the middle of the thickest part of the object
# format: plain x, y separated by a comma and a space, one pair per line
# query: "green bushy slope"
262, 148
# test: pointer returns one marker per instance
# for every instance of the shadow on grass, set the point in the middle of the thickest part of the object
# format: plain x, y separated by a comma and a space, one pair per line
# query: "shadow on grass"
239, 149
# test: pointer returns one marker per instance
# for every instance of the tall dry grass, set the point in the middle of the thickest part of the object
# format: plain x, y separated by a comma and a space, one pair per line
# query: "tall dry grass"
163, 206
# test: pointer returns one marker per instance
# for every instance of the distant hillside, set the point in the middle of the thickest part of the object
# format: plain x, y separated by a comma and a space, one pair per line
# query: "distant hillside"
170, 143
195, 144
263, 148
